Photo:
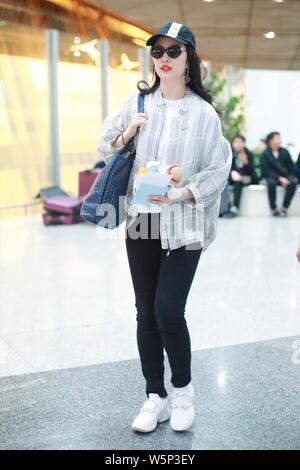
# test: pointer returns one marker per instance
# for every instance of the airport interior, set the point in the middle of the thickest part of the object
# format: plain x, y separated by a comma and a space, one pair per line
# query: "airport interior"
70, 369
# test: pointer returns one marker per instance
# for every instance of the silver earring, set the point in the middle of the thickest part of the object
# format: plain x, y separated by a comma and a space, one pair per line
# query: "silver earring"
186, 77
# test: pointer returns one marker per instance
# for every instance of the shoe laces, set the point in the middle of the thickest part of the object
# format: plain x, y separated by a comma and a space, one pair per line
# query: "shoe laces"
180, 400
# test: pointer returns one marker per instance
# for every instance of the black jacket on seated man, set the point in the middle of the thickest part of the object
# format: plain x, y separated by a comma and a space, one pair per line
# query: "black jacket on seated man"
273, 167
244, 169
247, 172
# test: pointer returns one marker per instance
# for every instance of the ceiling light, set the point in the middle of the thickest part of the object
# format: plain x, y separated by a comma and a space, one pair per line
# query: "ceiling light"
270, 35
77, 40
208, 1
77, 53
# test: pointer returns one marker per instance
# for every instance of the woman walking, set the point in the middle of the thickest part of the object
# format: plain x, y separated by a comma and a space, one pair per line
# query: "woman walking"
179, 126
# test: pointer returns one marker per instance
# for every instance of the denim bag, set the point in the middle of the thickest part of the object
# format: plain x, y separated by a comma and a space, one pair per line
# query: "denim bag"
104, 204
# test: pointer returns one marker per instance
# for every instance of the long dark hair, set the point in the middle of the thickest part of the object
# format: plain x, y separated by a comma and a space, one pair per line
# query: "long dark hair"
196, 85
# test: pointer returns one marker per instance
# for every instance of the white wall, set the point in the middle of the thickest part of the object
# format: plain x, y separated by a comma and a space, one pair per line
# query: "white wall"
273, 104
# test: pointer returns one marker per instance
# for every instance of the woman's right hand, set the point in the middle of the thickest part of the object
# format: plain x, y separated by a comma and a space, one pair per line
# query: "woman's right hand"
138, 120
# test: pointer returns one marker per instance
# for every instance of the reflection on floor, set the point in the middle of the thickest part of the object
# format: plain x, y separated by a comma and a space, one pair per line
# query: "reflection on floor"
247, 397
67, 298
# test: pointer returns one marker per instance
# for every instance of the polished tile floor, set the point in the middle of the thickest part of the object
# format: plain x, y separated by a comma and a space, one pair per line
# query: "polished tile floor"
67, 307
247, 397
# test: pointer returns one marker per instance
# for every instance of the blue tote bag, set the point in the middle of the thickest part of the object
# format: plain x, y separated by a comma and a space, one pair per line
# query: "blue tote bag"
104, 204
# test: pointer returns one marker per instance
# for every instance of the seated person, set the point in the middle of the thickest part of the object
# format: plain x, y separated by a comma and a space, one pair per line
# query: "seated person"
278, 169
242, 171
297, 168
225, 203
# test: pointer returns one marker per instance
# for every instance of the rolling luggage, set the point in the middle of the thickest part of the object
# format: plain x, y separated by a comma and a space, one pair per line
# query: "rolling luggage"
86, 180
51, 191
63, 204
64, 210
55, 218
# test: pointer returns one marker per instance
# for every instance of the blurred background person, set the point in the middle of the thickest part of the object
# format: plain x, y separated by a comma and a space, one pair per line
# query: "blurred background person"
278, 169
242, 171
297, 168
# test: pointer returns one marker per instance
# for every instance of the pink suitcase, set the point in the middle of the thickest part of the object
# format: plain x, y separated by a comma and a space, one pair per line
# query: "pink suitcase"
86, 180
53, 218
63, 204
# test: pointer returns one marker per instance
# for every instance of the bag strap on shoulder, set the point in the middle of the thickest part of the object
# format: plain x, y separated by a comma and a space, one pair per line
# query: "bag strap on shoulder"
130, 144
141, 99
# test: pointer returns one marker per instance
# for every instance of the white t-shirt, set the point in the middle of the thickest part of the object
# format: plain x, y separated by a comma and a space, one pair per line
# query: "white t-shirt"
172, 109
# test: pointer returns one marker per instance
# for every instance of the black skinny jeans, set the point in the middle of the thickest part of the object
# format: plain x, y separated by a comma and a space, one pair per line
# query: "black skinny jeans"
237, 192
161, 284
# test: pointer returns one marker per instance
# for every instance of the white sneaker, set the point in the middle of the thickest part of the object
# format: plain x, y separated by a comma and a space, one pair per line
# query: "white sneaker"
183, 412
154, 410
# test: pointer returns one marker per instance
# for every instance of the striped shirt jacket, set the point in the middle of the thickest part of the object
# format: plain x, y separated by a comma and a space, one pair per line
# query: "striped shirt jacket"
197, 145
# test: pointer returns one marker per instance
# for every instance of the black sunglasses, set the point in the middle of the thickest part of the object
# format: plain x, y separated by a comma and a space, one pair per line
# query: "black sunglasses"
173, 51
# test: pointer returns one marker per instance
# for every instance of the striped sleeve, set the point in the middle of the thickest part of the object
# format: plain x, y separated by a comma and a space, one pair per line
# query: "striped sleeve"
113, 126
208, 184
